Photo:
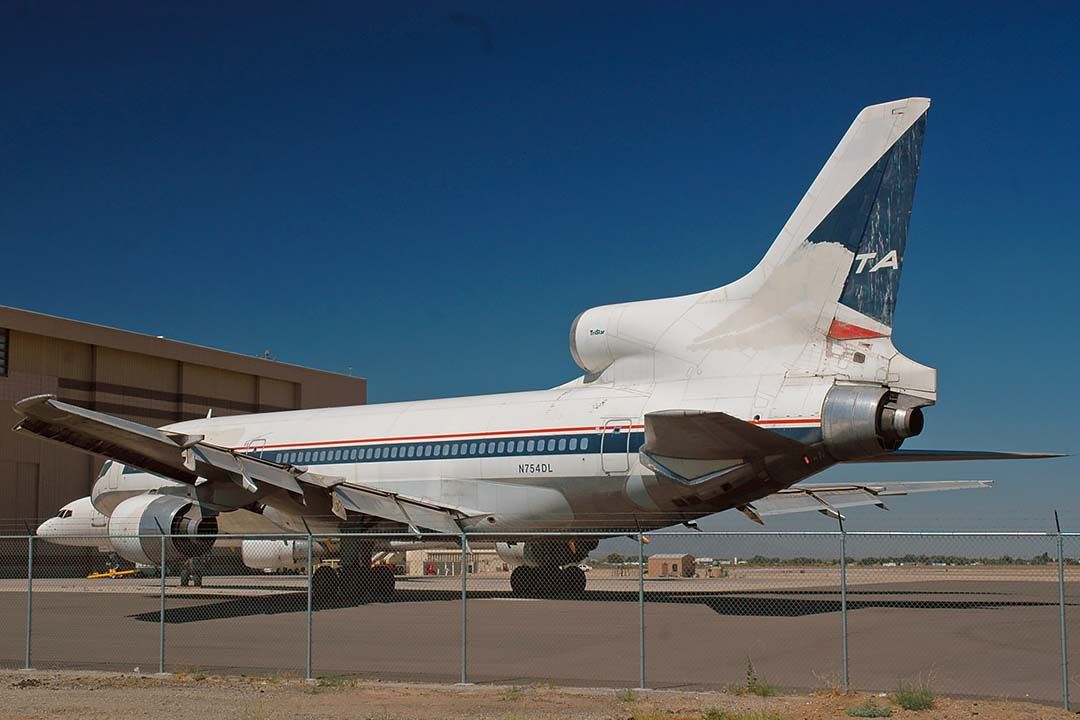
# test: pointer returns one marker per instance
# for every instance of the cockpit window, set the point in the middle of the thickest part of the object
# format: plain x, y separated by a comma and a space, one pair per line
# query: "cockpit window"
64, 514
105, 468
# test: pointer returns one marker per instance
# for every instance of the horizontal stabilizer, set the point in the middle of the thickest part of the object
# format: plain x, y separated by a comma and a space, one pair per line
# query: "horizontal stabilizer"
904, 456
702, 435
828, 499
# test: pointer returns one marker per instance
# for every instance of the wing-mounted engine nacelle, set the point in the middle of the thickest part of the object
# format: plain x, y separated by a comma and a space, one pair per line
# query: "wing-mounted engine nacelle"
279, 554
136, 525
545, 553
865, 420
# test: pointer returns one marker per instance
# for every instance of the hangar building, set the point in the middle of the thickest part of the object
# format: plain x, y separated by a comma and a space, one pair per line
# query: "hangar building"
144, 378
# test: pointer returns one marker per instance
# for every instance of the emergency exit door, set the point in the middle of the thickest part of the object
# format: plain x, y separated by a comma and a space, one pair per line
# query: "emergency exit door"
615, 446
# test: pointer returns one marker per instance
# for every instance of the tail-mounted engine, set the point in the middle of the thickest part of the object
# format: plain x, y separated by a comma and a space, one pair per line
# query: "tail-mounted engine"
136, 526
863, 420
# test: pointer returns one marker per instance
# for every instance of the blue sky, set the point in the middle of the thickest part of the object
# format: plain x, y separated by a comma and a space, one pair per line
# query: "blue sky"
428, 194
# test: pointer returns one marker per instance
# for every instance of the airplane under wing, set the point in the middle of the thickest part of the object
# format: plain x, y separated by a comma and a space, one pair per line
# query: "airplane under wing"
187, 458
826, 499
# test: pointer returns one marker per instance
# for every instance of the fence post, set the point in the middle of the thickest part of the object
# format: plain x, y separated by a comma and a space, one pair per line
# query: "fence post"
29, 595
310, 574
641, 610
161, 611
464, 610
843, 602
1061, 614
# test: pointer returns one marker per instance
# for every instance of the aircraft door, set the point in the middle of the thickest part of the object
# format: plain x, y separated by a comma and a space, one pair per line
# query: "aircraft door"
615, 446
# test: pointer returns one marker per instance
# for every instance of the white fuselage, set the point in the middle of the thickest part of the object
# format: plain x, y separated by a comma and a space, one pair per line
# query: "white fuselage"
560, 458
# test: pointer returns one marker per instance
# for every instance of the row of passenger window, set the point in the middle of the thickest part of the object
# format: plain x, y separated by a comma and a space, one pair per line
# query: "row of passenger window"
488, 448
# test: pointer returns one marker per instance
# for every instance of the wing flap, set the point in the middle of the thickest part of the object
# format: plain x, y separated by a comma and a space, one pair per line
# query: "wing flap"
412, 512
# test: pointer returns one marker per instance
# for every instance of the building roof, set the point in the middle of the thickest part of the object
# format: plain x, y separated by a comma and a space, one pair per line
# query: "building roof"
104, 336
671, 556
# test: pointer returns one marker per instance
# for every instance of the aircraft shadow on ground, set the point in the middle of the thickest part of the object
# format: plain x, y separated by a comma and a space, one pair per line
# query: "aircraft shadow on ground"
739, 604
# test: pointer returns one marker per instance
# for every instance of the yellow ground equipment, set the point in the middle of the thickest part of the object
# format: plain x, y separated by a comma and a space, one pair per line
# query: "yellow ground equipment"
110, 573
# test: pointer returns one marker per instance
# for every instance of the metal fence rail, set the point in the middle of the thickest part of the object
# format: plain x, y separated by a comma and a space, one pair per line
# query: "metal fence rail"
967, 613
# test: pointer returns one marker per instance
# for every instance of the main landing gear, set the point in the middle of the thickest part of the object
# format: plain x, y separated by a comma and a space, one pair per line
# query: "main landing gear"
547, 582
192, 572
352, 584
356, 580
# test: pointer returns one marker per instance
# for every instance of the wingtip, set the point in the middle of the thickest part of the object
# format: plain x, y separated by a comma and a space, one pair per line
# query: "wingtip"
26, 403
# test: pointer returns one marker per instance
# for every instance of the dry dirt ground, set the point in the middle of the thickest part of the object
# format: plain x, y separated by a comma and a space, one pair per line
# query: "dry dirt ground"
69, 694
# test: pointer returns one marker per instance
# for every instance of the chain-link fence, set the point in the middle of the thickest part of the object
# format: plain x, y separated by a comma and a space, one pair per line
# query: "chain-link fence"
981, 614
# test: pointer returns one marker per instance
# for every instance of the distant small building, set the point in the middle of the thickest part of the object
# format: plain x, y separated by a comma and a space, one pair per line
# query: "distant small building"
671, 565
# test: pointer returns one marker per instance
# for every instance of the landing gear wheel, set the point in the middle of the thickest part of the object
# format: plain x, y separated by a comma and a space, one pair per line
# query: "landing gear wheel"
573, 582
521, 581
382, 582
362, 584
547, 582
324, 584
355, 583
185, 578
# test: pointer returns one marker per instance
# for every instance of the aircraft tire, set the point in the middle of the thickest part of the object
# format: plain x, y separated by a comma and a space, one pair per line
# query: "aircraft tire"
546, 582
574, 581
382, 582
522, 581
551, 583
355, 583
325, 584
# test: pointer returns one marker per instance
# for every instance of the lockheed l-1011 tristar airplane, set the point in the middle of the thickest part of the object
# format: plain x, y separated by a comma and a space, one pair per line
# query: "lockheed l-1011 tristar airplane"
723, 399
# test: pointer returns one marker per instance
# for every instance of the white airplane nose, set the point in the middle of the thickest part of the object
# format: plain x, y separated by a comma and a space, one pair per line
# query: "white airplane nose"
48, 529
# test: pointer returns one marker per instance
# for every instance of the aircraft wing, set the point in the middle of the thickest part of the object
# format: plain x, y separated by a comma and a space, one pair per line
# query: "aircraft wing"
704, 435
901, 456
187, 458
173, 455
826, 499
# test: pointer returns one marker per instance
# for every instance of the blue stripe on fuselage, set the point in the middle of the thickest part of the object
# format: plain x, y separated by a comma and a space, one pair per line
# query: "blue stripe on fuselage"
546, 445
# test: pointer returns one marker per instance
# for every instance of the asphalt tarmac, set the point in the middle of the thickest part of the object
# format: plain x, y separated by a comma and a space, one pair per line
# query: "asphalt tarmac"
965, 634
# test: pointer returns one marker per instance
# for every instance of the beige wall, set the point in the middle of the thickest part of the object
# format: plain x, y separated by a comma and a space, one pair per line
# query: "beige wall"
181, 383
670, 566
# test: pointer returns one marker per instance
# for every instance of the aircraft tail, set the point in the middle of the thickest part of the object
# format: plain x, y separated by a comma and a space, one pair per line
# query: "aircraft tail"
858, 207
833, 271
